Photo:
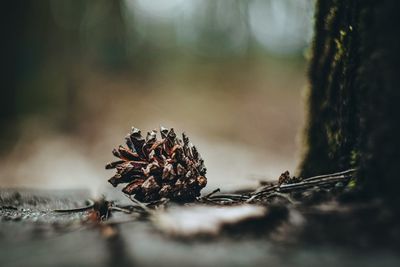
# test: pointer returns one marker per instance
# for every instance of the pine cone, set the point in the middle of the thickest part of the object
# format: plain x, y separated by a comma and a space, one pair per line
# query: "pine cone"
155, 169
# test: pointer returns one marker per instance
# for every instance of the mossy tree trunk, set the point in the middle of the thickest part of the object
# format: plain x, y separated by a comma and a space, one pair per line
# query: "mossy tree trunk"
354, 97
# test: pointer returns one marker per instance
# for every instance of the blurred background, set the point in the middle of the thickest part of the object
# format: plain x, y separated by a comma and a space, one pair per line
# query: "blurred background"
78, 74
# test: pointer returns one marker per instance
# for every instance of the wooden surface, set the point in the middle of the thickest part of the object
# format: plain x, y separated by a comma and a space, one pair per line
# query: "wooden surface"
32, 234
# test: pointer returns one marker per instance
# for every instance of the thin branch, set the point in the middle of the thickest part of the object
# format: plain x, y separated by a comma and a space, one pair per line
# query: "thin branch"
278, 189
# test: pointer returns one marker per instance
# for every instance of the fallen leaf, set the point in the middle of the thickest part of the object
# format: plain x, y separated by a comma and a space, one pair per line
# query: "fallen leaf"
203, 220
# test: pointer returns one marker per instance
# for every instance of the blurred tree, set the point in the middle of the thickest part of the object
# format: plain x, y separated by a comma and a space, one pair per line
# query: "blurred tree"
354, 93
45, 47
13, 25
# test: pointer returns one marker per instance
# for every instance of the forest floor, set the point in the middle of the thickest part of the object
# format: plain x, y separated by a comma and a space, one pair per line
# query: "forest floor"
319, 225
245, 122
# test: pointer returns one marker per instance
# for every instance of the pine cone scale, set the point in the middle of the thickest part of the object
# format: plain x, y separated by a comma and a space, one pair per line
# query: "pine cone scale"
133, 187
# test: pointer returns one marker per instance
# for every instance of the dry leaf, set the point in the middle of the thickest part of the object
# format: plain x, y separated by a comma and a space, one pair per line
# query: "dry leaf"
204, 220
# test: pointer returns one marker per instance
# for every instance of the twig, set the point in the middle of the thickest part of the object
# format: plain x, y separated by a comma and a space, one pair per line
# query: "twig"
277, 189
313, 182
140, 204
213, 192
347, 172
90, 204
230, 196
116, 208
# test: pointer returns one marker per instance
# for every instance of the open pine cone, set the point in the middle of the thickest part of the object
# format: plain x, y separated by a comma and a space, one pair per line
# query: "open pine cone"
154, 169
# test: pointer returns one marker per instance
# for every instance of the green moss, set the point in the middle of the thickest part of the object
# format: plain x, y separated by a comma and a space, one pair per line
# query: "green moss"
354, 158
327, 135
352, 184
353, 100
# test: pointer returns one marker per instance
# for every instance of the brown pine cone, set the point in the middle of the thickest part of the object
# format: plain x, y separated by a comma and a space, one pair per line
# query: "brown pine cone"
154, 169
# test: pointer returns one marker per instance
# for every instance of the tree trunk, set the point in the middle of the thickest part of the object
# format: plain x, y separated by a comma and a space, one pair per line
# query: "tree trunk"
354, 97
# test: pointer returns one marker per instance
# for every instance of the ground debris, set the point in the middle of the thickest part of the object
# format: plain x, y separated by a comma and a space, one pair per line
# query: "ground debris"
189, 221
285, 178
286, 188
276, 218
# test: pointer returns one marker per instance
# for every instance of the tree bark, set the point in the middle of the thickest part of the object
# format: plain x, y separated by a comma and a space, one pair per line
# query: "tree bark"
354, 94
